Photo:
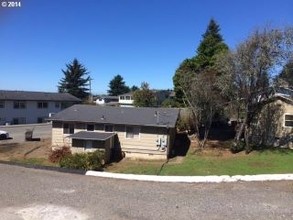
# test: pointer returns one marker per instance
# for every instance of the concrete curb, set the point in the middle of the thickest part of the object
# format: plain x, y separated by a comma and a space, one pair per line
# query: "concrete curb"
192, 179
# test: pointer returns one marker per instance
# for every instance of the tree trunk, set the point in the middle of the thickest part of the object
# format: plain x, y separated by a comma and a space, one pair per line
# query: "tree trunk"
246, 138
239, 133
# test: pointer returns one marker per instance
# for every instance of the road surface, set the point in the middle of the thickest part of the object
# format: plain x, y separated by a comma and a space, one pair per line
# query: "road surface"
17, 132
39, 194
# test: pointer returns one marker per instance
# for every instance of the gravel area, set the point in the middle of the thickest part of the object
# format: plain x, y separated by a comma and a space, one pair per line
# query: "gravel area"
41, 194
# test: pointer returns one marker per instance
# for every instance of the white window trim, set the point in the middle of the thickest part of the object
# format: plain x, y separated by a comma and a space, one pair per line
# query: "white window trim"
68, 128
287, 120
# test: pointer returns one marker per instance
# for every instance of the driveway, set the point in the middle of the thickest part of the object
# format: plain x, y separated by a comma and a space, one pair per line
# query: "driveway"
41, 194
17, 132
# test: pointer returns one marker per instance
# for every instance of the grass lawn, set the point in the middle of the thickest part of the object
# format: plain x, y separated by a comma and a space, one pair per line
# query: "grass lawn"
265, 162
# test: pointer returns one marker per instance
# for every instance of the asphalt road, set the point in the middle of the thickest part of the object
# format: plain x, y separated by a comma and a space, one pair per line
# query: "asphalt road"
17, 132
40, 194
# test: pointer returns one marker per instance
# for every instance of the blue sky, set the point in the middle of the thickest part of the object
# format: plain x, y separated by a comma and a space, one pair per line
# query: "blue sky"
142, 40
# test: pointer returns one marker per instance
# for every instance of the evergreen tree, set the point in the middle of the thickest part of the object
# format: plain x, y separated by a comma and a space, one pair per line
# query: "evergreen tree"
117, 86
211, 45
134, 88
209, 48
75, 80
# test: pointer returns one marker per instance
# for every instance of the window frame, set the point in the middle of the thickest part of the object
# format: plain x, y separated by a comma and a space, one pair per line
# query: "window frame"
42, 105
19, 105
135, 133
288, 120
68, 128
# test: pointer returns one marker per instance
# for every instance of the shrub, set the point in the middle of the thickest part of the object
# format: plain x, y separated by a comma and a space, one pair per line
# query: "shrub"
58, 154
85, 161
236, 148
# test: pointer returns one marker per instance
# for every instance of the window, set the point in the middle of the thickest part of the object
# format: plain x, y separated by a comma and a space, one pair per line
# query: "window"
132, 132
2, 104
19, 105
57, 105
42, 104
90, 127
109, 128
288, 120
128, 97
121, 97
2, 120
20, 120
68, 128
41, 119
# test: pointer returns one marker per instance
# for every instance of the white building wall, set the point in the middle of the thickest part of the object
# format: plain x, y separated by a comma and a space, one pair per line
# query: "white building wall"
31, 113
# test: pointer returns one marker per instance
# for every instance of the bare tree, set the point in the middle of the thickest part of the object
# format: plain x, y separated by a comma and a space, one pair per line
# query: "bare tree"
201, 97
247, 72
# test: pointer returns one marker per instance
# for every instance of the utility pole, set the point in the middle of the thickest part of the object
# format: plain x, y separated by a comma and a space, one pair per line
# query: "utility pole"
90, 93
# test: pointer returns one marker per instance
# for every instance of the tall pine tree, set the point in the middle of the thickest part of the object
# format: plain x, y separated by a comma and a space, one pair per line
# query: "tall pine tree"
210, 46
117, 86
75, 80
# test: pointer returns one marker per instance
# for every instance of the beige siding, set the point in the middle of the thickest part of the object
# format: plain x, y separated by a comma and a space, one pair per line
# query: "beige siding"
287, 108
145, 144
58, 138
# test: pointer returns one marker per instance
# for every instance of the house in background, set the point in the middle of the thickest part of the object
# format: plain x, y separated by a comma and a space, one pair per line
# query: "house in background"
23, 107
126, 100
107, 100
138, 132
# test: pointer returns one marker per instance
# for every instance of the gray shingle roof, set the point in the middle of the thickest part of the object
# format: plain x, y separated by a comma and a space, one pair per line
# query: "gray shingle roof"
158, 117
36, 96
89, 135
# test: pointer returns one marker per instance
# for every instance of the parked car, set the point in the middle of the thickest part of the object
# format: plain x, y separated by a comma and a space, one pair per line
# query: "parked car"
4, 135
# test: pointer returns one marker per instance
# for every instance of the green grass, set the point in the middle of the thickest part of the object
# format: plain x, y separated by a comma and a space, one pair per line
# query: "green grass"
265, 162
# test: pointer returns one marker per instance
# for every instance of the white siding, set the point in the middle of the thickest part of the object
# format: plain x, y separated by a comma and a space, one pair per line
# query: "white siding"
31, 113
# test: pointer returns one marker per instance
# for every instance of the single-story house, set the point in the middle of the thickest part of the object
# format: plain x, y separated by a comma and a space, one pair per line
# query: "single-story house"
275, 123
138, 132
24, 107
285, 122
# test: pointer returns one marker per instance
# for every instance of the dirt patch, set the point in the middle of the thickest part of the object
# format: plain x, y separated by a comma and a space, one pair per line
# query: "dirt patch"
213, 148
35, 149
